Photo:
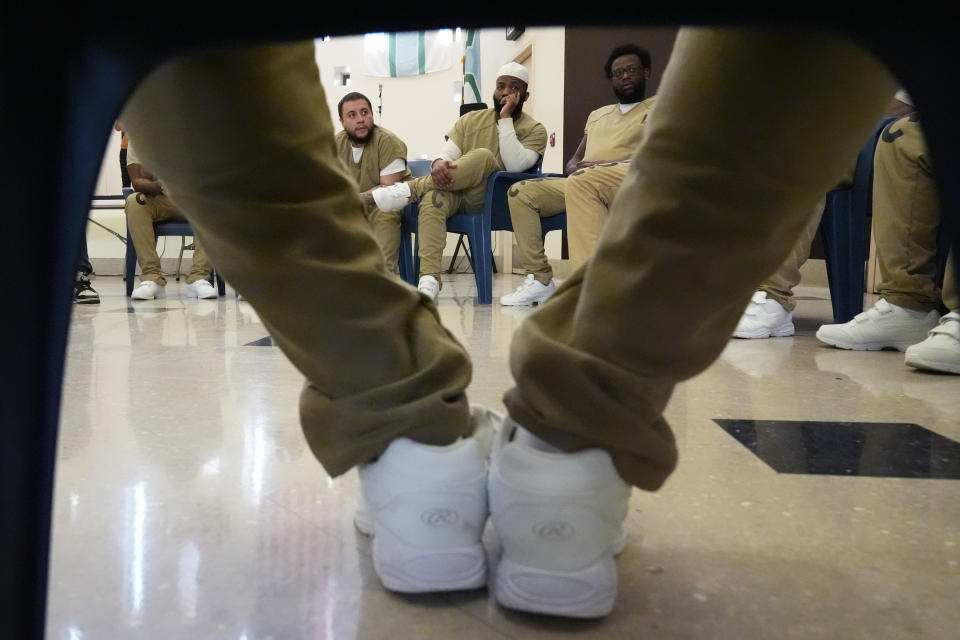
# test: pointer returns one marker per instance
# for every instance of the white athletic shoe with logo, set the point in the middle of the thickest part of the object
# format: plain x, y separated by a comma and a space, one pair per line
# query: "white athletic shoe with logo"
941, 350
429, 286
426, 507
559, 517
764, 318
883, 325
147, 290
531, 291
392, 198
202, 289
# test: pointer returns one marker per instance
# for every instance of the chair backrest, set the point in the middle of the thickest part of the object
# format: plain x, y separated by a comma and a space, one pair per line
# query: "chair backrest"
472, 106
419, 168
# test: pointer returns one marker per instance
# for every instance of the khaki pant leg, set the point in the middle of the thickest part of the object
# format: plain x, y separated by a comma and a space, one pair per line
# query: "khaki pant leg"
704, 214
589, 193
282, 219
906, 216
951, 294
780, 285
435, 207
386, 230
200, 270
472, 170
141, 212
530, 200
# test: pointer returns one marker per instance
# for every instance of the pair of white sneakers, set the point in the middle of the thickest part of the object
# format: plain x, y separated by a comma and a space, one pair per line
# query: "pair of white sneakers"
149, 290
558, 515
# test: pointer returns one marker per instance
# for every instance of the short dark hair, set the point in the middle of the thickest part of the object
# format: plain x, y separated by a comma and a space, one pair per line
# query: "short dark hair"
626, 50
353, 95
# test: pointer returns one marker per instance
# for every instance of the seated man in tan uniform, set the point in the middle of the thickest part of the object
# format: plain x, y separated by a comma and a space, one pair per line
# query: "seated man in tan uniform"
375, 157
481, 142
146, 205
595, 171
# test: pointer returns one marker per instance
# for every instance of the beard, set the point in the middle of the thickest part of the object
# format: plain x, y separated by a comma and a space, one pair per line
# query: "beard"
365, 139
517, 110
636, 94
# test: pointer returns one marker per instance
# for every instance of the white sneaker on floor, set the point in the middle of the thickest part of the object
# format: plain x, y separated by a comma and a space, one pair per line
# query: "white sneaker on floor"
146, 290
531, 291
430, 287
202, 289
941, 350
560, 518
883, 325
392, 198
426, 507
764, 318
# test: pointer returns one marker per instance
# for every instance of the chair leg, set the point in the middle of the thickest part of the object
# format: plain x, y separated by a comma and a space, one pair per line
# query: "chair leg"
479, 238
183, 245
129, 268
456, 252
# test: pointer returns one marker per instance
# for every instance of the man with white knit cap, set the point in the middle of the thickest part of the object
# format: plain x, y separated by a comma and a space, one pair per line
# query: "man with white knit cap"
501, 138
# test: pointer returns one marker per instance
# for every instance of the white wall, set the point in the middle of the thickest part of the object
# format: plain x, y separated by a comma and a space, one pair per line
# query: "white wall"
420, 110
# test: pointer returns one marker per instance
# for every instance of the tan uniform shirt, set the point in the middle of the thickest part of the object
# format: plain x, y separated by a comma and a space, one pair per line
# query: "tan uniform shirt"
478, 129
612, 135
383, 148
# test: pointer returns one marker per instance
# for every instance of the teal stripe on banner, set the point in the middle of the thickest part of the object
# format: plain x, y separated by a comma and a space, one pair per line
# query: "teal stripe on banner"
392, 52
408, 53
422, 53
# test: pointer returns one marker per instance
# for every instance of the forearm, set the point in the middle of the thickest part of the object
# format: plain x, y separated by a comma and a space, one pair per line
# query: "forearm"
515, 156
449, 152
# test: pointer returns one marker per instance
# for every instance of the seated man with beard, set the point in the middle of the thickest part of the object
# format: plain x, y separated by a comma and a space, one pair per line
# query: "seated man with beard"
595, 171
374, 157
481, 142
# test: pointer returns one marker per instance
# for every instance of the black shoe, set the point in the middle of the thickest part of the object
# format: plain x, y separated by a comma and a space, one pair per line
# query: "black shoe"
83, 293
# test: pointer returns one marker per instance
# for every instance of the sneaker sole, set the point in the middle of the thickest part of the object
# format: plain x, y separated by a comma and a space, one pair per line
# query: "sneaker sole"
88, 301
416, 570
783, 331
587, 593
869, 346
930, 365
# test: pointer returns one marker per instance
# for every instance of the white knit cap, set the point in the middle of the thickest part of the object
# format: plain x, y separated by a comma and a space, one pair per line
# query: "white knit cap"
515, 70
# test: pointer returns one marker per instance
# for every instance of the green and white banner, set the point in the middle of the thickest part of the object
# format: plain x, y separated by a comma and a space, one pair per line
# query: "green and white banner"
471, 68
407, 53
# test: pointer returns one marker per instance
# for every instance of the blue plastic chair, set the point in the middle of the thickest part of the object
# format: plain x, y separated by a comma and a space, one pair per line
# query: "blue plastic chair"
164, 228
845, 229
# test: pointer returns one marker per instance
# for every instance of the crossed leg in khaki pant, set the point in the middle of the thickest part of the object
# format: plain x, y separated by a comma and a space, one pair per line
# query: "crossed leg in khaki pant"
384, 378
436, 205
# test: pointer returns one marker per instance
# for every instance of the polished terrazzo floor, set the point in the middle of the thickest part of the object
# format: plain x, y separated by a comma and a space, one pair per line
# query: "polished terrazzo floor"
189, 506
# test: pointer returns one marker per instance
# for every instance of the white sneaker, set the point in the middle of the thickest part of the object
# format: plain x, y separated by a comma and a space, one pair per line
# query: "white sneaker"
764, 318
531, 291
883, 325
426, 507
430, 287
146, 290
392, 198
202, 289
941, 350
559, 517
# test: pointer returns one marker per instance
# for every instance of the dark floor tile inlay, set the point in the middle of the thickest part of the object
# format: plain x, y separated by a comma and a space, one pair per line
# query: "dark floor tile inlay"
882, 449
262, 342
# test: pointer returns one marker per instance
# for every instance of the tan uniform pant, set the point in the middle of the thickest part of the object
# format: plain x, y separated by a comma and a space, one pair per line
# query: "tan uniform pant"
142, 211
906, 217
386, 230
436, 205
589, 194
596, 365
530, 200
780, 285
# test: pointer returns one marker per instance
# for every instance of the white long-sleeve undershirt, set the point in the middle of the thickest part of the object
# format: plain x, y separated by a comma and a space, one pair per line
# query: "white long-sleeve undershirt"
515, 156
